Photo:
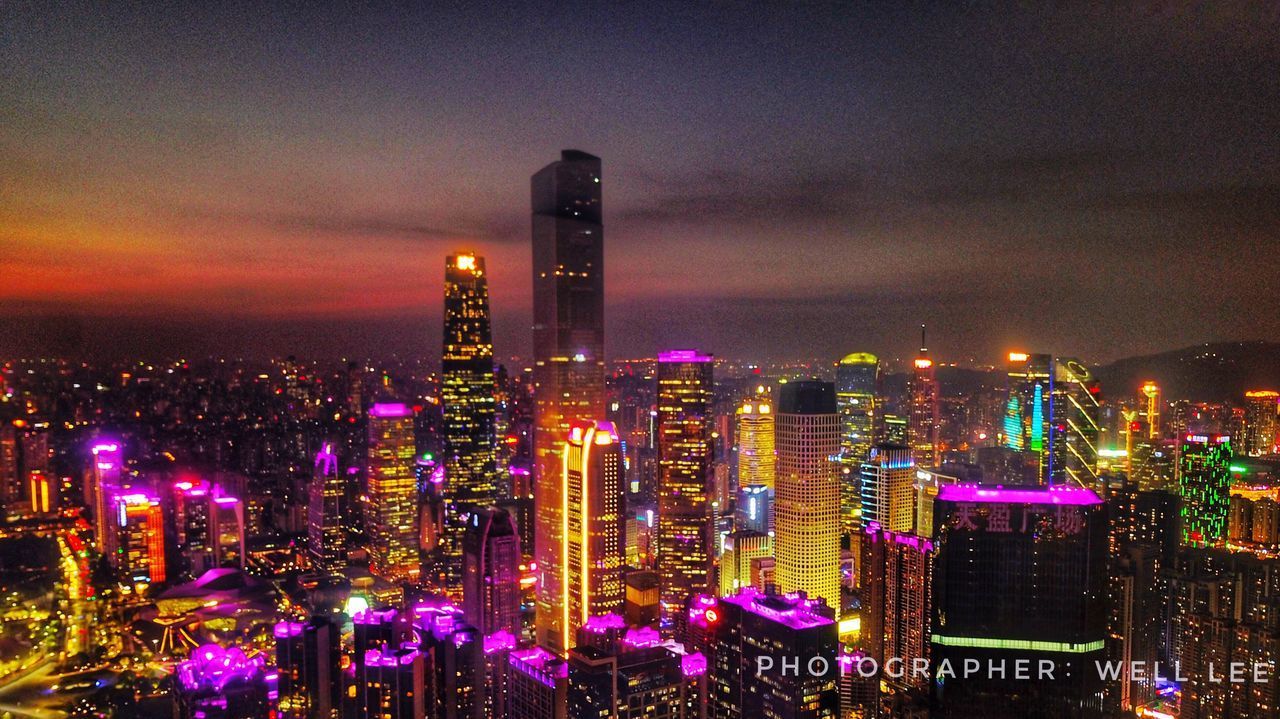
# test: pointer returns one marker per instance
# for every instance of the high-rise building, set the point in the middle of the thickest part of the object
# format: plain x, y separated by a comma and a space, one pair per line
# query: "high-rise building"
1261, 422
1074, 426
491, 572
1150, 396
1020, 575
307, 663
467, 400
394, 685
888, 488
568, 349
897, 586
807, 493
138, 542
924, 423
749, 635
757, 460
326, 537
1204, 481
594, 525
105, 479
755, 508
684, 533
537, 685
392, 510
857, 381
741, 548
632, 674
226, 532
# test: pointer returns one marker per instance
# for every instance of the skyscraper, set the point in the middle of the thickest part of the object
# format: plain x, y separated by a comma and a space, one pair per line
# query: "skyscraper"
568, 349
757, 461
888, 488
750, 634
684, 536
467, 399
1073, 426
1020, 575
1204, 481
307, 660
896, 584
392, 510
491, 572
594, 525
923, 420
1260, 422
139, 544
326, 538
807, 503
1151, 408
857, 378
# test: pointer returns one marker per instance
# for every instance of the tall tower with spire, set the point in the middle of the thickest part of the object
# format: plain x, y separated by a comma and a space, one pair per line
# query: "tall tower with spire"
923, 421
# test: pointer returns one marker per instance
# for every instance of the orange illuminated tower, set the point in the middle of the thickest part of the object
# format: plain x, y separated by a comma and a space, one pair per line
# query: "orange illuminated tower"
1151, 410
684, 536
392, 511
139, 545
568, 351
1260, 422
923, 424
594, 527
467, 400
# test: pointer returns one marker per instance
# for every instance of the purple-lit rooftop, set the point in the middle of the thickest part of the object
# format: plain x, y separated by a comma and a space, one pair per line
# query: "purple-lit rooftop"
684, 356
286, 629
790, 610
500, 641
693, 665
602, 623
539, 663
390, 410
1018, 495
212, 667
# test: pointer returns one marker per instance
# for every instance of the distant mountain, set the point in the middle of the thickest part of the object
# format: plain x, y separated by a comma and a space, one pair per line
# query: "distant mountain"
1206, 373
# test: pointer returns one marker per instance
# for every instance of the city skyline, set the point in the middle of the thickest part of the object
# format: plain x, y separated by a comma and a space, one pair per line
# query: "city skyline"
234, 202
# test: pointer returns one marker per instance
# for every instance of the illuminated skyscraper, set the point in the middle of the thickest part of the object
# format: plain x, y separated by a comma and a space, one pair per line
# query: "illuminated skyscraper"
1151, 408
491, 573
807, 497
326, 538
749, 635
923, 422
307, 664
392, 520
1260, 422
592, 486
226, 532
857, 378
1024, 421
568, 349
467, 399
684, 536
1073, 426
741, 548
139, 541
888, 489
105, 480
757, 461
1204, 481
896, 583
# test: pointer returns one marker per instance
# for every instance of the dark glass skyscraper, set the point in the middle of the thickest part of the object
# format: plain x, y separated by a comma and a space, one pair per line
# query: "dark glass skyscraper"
467, 396
1020, 574
326, 537
491, 572
568, 349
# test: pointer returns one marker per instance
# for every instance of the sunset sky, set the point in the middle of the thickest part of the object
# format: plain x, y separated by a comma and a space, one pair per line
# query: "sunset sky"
784, 181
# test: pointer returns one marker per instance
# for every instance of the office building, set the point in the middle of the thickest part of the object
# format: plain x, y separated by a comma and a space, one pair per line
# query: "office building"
467, 398
888, 488
594, 525
684, 531
1020, 574
392, 510
1260, 422
326, 497
924, 423
1204, 483
568, 349
807, 493
491, 572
